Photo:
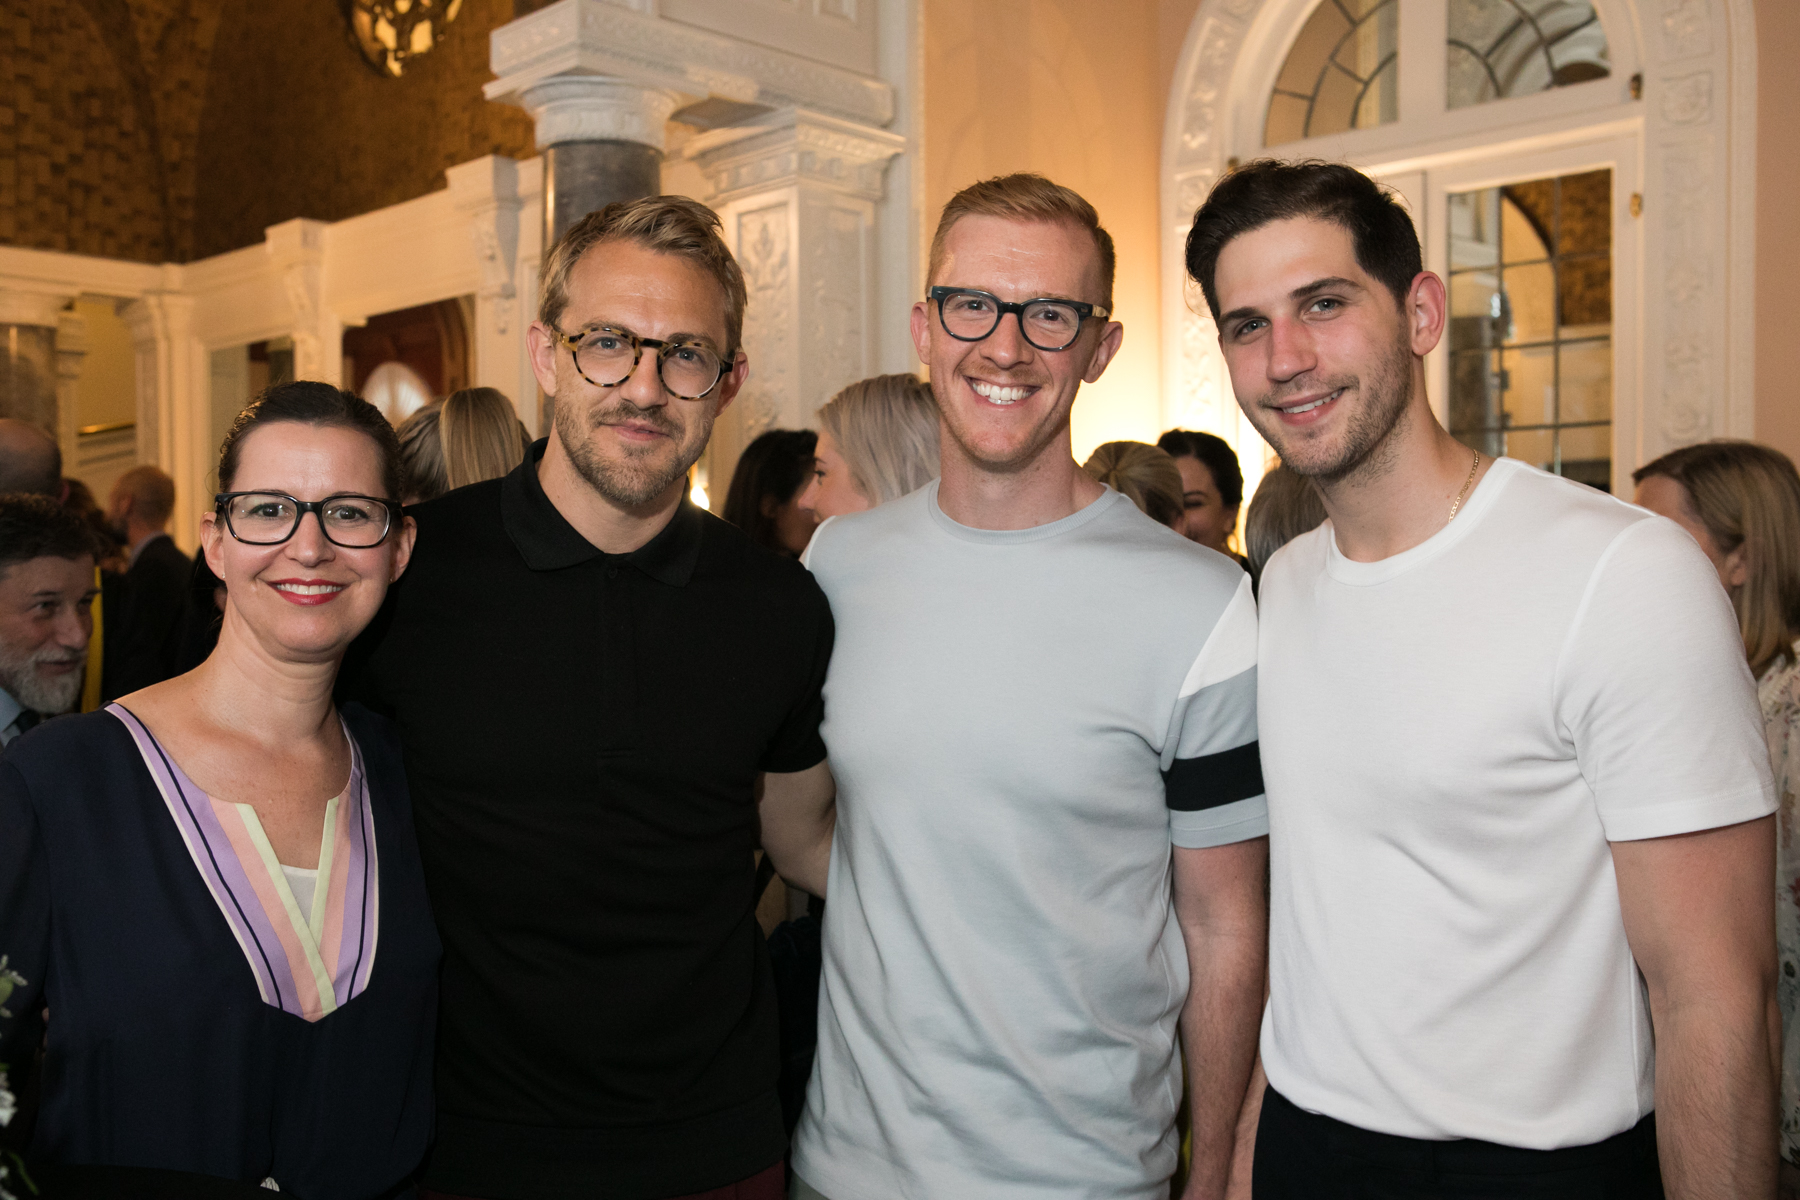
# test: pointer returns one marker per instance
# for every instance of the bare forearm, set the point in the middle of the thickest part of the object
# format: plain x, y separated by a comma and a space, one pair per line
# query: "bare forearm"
1243, 1157
1218, 1031
799, 816
1715, 1099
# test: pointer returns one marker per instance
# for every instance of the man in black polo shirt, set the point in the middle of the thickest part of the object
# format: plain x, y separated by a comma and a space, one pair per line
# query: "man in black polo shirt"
590, 674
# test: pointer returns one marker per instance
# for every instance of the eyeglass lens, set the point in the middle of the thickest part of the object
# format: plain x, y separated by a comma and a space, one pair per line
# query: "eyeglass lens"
268, 518
1047, 324
606, 359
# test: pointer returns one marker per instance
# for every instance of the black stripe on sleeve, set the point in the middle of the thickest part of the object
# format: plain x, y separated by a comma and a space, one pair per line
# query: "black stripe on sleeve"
1192, 784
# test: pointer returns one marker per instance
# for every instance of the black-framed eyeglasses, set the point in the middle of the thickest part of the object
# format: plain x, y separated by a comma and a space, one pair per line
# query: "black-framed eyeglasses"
969, 316
271, 518
607, 356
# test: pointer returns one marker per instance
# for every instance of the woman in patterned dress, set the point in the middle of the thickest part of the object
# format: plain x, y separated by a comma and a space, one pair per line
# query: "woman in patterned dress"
1741, 502
213, 884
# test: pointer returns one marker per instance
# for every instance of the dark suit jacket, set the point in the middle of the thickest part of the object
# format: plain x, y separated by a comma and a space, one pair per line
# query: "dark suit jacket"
142, 633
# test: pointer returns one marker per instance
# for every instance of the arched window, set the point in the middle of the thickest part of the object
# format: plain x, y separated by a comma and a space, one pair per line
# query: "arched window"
397, 390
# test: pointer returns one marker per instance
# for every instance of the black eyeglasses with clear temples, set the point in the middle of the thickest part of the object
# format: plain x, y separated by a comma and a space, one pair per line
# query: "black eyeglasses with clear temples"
969, 315
271, 518
607, 356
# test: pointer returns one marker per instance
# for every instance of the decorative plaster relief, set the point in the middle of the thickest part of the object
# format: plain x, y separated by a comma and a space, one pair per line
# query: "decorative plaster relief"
1687, 28
583, 37
836, 281
1689, 287
1208, 81
487, 192
1687, 99
297, 248
794, 146
764, 252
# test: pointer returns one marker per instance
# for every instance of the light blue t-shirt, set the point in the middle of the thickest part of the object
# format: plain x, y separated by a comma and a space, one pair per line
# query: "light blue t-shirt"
1021, 723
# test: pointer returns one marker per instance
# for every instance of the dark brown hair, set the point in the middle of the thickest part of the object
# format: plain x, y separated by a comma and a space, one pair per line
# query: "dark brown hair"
773, 467
309, 403
1269, 190
1216, 453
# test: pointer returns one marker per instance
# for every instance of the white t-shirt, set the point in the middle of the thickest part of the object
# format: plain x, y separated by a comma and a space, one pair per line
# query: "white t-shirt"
1020, 723
1450, 738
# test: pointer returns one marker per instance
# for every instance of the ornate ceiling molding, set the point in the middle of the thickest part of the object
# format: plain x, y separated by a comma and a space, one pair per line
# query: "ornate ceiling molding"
794, 146
593, 37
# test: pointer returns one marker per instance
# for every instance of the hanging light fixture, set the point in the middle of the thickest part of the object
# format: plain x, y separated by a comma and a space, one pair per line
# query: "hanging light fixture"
391, 33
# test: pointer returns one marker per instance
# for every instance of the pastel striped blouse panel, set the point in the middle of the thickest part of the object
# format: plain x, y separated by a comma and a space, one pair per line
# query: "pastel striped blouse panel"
306, 963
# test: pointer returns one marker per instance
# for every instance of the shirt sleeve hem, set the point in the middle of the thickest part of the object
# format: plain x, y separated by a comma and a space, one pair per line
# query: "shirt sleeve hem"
1236, 822
1688, 816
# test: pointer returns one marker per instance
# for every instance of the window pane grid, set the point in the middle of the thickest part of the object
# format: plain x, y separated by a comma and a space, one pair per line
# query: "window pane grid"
1530, 336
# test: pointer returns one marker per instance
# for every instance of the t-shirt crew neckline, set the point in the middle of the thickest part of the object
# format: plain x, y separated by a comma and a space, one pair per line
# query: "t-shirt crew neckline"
1481, 501
1035, 533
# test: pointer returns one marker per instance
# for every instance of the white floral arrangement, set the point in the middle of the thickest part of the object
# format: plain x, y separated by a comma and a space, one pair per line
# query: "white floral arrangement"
9, 980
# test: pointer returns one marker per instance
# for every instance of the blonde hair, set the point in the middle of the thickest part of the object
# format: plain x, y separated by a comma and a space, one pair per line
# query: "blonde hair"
421, 456
887, 430
1026, 197
480, 436
1144, 474
1748, 496
666, 224
1286, 505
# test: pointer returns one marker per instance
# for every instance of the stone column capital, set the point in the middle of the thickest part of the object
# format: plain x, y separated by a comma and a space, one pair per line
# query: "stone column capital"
794, 146
28, 302
597, 108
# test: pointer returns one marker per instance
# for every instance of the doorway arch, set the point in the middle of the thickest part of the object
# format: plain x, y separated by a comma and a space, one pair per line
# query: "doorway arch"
1678, 115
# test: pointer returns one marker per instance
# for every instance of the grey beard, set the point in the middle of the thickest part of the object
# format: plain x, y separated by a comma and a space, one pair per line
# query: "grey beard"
635, 482
20, 677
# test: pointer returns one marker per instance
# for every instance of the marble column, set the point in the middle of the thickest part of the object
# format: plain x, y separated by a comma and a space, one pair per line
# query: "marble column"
602, 140
28, 367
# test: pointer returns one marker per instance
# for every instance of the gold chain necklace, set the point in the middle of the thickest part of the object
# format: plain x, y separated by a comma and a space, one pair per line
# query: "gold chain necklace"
1467, 484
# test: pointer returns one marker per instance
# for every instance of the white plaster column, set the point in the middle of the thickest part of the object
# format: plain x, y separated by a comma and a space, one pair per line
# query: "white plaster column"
71, 348
797, 191
486, 193
29, 385
173, 406
297, 249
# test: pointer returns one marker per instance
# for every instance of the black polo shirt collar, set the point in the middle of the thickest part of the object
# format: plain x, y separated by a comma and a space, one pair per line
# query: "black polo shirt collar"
547, 541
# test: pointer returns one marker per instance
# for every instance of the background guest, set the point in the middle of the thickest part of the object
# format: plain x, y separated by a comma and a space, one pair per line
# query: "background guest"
878, 440
144, 632
1741, 502
78, 498
1145, 474
422, 456
46, 598
1212, 486
1285, 506
29, 460
481, 435
763, 499
201, 879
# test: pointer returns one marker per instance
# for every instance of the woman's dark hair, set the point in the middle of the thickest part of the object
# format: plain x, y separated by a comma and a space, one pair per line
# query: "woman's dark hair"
775, 465
307, 403
1218, 456
1268, 190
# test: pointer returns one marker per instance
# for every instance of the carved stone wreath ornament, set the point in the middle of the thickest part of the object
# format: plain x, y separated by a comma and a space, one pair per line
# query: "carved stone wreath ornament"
391, 33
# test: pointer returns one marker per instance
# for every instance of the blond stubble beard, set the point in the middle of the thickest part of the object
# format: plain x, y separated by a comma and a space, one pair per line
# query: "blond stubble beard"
636, 480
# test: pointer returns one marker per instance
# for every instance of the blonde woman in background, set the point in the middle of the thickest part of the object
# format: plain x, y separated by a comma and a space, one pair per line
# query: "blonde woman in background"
1741, 502
481, 435
472, 436
878, 440
1144, 474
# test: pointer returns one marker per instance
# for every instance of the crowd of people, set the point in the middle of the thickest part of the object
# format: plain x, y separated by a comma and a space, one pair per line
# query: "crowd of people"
407, 843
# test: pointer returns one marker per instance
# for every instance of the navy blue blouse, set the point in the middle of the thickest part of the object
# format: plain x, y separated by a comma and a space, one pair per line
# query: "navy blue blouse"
162, 1051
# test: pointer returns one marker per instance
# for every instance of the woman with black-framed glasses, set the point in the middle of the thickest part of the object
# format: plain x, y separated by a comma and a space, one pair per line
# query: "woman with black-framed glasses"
213, 885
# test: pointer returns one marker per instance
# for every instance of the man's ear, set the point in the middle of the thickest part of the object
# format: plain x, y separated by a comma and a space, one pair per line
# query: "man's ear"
1111, 338
540, 344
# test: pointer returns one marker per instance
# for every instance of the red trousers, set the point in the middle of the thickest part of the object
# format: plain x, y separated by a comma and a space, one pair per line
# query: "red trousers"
764, 1185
